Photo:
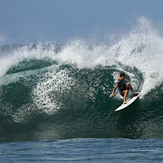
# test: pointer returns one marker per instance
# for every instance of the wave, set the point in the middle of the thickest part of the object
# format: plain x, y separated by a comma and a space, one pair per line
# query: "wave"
52, 91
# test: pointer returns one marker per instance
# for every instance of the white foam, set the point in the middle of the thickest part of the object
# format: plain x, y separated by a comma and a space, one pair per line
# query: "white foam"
141, 48
51, 86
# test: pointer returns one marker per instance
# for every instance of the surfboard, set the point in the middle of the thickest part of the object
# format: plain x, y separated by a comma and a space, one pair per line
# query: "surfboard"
129, 102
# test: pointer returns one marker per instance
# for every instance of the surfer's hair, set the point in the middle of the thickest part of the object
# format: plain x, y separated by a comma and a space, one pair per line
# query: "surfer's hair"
122, 74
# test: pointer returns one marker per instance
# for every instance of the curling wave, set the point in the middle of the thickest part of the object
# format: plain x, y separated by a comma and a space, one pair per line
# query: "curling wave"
62, 91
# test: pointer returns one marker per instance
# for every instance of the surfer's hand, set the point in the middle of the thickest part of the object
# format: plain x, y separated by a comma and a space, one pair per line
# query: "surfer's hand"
112, 95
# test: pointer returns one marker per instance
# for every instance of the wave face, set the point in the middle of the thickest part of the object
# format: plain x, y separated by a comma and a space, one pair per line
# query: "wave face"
52, 91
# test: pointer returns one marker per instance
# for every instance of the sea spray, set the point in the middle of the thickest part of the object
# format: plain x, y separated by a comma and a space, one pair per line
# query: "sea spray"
50, 91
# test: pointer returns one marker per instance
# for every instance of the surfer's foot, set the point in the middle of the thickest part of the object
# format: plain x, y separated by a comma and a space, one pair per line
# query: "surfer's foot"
124, 102
135, 93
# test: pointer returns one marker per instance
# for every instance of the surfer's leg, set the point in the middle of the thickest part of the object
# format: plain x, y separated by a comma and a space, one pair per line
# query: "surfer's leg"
128, 86
125, 95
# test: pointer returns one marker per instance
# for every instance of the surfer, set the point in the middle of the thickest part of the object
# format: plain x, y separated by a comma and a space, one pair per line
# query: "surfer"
123, 87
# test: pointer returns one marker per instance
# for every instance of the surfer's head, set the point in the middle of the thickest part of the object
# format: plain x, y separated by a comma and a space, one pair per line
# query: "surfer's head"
122, 76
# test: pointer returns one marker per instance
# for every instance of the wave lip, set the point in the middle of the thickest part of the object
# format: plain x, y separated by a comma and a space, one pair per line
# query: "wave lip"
62, 91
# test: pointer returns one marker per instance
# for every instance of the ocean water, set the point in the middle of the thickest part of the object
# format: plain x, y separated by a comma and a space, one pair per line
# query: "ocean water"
83, 150
55, 104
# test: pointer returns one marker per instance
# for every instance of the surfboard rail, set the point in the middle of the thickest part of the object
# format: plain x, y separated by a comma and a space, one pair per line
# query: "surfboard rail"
128, 102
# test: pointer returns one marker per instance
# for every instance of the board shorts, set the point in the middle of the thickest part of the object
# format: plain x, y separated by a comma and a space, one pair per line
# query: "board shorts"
123, 92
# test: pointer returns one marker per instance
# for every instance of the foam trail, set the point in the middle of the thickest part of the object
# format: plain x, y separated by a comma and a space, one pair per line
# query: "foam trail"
47, 90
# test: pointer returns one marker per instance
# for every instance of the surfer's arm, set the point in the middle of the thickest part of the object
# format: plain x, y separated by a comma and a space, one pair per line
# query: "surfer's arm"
113, 91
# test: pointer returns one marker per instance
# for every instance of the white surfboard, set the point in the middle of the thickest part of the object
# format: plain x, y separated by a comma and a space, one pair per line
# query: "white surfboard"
129, 102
